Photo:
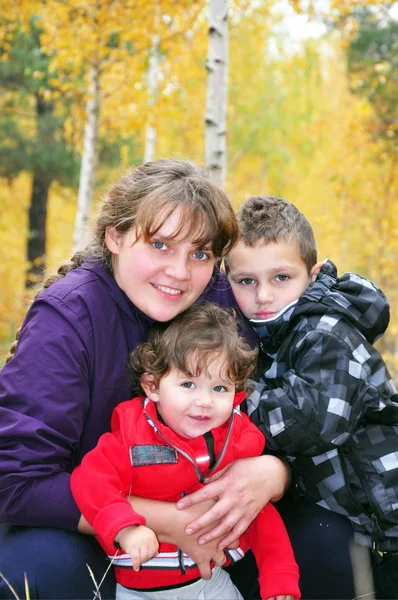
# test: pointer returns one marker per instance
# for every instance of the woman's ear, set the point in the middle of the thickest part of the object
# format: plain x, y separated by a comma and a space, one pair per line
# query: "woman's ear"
150, 386
315, 270
113, 239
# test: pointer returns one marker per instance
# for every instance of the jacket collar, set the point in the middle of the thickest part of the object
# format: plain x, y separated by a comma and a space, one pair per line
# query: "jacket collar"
185, 447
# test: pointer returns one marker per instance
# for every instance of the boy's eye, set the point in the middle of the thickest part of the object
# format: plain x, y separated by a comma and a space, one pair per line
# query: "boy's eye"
159, 245
246, 281
188, 384
220, 388
282, 277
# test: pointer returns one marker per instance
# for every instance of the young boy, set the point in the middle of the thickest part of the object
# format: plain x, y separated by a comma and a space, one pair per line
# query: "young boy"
325, 398
187, 428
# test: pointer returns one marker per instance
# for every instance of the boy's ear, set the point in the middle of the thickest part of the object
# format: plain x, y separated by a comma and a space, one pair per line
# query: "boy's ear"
113, 239
315, 270
150, 386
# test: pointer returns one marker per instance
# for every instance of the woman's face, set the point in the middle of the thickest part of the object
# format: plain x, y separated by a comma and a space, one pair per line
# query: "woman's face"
163, 276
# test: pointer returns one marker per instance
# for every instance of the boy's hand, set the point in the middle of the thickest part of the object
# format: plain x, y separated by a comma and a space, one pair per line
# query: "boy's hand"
281, 598
138, 541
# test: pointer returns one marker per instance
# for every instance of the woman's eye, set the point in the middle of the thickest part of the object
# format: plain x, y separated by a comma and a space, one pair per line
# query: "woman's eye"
201, 255
246, 281
159, 245
282, 277
188, 384
220, 388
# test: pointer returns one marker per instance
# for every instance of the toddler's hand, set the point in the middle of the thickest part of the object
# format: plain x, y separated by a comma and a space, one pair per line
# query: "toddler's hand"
140, 542
281, 598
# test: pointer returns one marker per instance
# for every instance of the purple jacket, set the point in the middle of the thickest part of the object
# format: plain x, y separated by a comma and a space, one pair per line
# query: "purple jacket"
58, 392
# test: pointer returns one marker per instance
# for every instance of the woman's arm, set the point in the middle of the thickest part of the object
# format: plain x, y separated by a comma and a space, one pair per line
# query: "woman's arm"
239, 493
84, 526
44, 398
169, 525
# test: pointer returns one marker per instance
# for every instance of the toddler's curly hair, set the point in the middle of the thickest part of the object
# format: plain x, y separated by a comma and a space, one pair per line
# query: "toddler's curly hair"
193, 339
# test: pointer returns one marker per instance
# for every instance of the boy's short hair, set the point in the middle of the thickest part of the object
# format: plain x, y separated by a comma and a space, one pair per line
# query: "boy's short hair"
191, 341
269, 219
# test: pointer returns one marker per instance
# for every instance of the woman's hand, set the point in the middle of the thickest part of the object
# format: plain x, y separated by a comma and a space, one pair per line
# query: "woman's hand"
170, 524
203, 555
239, 492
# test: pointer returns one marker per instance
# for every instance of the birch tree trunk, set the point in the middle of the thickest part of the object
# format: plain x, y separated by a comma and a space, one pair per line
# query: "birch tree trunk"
89, 161
217, 90
153, 70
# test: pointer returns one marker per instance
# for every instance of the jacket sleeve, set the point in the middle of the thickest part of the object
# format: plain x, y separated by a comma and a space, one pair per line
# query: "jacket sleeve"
278, 570
249, 442
100, 486
321, 400
44, 398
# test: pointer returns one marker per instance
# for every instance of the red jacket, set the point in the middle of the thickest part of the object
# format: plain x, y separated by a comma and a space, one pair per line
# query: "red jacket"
143, 457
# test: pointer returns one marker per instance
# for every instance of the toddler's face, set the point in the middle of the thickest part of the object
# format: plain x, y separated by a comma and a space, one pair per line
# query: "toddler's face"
191, 406
266, 278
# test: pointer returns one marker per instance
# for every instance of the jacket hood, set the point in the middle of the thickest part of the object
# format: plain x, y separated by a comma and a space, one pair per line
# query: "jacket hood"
355, 298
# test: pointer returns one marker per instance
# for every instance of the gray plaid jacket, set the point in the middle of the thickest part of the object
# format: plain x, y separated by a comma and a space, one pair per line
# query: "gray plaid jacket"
326, 400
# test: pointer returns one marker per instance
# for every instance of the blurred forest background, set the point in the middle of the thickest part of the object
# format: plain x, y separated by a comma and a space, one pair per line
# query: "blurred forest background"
311, 116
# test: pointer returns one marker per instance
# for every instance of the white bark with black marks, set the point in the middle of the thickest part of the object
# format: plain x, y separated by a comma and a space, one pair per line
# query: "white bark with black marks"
217, 90
153, 70
89, 161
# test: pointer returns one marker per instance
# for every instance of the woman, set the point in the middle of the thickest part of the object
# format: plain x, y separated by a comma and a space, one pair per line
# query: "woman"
157, 238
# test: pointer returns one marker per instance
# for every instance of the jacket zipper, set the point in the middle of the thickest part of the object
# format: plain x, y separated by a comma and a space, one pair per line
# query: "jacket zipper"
224, 448
189, 459
187, 456
376, 529
180, 554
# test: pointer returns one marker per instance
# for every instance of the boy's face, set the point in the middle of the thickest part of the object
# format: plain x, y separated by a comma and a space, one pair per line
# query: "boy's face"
191, 406
266, 278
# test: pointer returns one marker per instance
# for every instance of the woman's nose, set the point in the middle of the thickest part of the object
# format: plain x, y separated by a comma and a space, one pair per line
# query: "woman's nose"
178, 268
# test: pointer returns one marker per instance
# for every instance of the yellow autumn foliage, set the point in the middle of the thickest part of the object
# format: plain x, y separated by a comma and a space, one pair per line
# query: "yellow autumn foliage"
14, 202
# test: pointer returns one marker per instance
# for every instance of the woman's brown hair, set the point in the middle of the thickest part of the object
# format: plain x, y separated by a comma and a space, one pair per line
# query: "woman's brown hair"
144, 198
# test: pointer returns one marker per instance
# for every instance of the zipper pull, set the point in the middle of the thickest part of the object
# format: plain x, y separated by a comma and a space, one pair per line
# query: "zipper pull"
180, 552
375, 533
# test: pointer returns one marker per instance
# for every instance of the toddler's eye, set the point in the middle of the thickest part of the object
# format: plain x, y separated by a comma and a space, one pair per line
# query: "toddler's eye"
188, 384
282, 277
220, 388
